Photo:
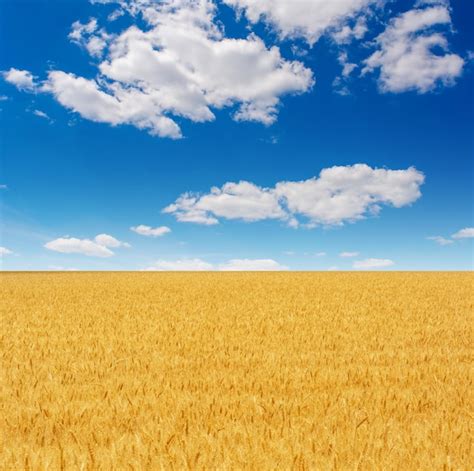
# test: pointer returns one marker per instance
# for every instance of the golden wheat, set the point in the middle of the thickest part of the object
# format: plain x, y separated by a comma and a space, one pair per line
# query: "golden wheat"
236, 371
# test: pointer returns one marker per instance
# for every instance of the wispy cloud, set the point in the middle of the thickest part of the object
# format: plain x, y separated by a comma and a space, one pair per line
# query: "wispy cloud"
197, 264
150, 231
42, 114
348, 254
372, 263
440, 240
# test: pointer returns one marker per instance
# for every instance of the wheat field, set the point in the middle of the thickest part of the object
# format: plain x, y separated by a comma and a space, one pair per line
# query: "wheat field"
261, 371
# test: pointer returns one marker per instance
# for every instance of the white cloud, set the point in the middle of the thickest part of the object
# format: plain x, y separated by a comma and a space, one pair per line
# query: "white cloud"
308, 19
370, 263
22, 79
348, 254
338, 195
182, 65
125, 106
465, 233
185, 264
340, 83
440, 240
115, 14
90, 37
82, 246
197, 264
347, 67
4, 251
347, 33
320, 254
406, 56
333, 268
99, 247
78, 29
41, 114
241, 200
252, 265
176, 62
150, 231
60, 268
107, 240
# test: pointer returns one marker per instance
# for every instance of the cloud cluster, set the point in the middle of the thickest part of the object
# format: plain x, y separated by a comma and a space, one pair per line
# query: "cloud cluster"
98, 247
337, 195
180, 66
197, 264
406, 56
175, 61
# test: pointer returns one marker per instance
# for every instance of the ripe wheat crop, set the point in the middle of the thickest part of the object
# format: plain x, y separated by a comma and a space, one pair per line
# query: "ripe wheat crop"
232, 371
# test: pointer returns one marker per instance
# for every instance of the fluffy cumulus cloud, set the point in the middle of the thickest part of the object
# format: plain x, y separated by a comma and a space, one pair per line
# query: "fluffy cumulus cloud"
181, 65
372, 263
150, 231
308, 19
98, 247
197, 264
413, 54
4, 251
466, 233
337, 195
175, 61
241, 200
22, 79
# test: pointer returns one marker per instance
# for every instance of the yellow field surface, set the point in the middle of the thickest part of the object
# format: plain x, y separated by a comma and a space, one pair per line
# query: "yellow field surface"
261, 371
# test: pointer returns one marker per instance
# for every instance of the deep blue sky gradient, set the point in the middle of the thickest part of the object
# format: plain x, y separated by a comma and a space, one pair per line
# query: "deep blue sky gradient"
80, 178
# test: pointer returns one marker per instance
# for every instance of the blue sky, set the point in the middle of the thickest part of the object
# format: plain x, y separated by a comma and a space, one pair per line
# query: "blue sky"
325, 128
